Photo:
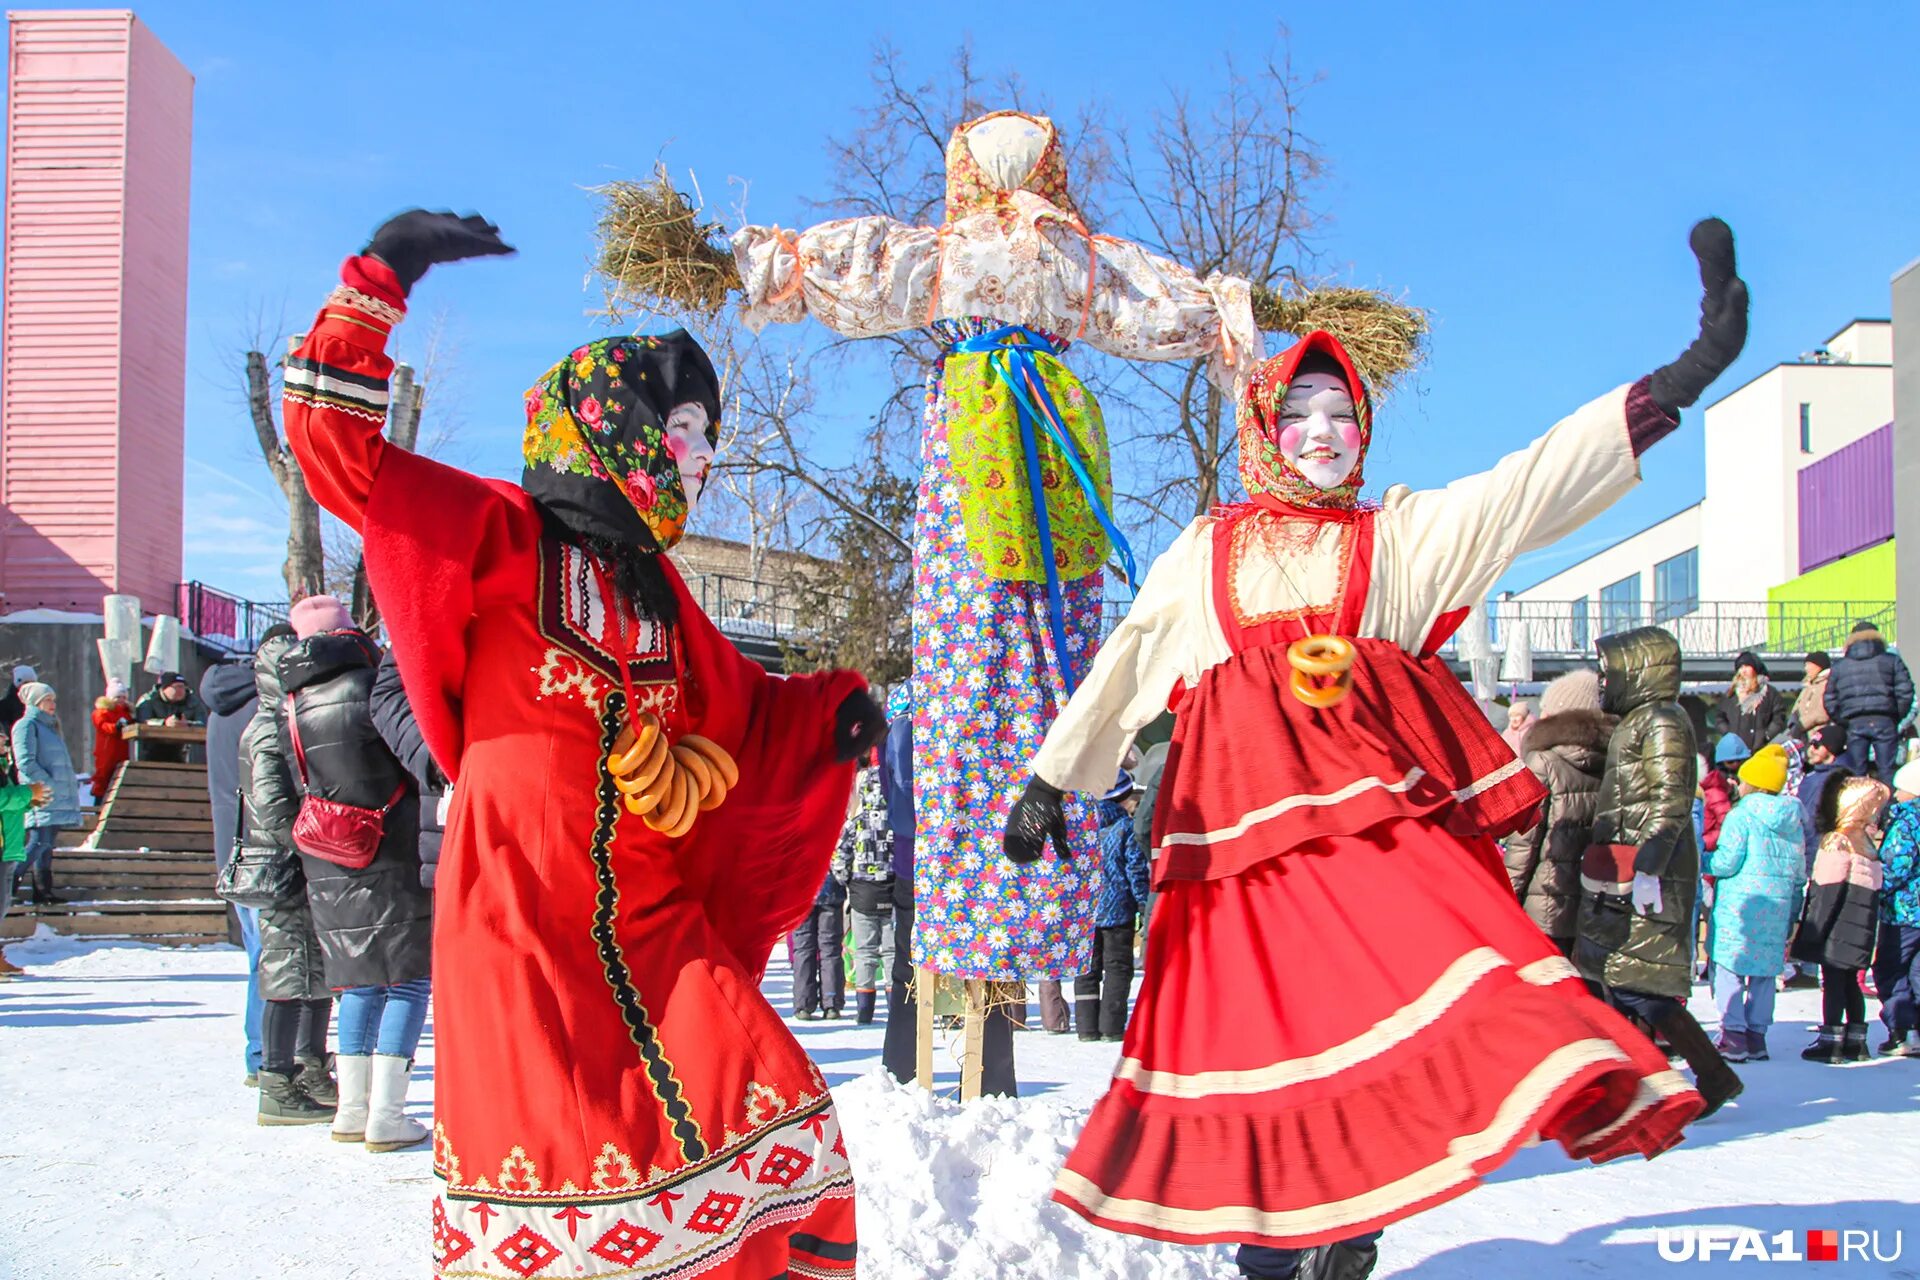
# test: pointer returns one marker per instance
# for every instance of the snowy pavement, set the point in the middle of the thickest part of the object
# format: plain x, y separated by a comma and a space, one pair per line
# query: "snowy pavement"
131, 1151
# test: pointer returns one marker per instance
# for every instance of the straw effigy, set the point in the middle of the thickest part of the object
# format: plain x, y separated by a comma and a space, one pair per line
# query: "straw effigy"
655, 251
1384, 337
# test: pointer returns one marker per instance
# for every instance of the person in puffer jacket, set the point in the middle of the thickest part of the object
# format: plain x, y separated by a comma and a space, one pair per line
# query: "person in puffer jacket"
1759, 871
1841, 916
864, 864
1871, 693
393, 718
295, 1082
375, 922
1896, 955
1567, 750
1101, 993
1635, 933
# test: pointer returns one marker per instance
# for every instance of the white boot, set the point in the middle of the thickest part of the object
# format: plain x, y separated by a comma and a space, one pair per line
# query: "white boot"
388, 1128
350, 1116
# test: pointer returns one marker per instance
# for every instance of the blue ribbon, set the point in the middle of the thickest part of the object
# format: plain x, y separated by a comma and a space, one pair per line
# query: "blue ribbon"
1010, 353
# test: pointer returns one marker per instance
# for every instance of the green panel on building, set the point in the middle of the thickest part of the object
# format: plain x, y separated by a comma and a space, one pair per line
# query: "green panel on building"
1817, 609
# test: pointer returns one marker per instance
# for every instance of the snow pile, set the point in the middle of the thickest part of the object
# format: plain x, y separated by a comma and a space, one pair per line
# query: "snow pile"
947, 1190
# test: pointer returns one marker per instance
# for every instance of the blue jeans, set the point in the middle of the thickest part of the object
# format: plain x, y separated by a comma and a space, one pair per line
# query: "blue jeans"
249, 919
383, 1019
1265, 1262
1746, 1004
1871, 738
39, 847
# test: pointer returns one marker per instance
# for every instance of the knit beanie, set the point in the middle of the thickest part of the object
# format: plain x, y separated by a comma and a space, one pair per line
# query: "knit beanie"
316, 614
24, 674
33, 692
1731, 749
1767, 770
1907, 778
1750, 659
116, 688
1574, 691
1821, 659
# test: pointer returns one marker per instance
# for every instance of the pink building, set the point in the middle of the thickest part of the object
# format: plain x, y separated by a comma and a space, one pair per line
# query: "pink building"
93, 368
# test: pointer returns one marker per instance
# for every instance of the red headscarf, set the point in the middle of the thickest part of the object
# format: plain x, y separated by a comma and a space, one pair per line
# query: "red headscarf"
1263, 469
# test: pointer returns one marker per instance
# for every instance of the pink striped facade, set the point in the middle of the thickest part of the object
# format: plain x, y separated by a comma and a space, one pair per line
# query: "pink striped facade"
93, 368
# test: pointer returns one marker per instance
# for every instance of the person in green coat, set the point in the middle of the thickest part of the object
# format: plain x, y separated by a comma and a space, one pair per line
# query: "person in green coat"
15, 800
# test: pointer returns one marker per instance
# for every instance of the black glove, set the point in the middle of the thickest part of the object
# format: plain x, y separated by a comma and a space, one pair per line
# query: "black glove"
1723, 322
858, 726
416, 240
1035, 816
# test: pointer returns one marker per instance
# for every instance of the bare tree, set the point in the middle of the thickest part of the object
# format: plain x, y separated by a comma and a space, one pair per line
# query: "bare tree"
1220, 185
305, 567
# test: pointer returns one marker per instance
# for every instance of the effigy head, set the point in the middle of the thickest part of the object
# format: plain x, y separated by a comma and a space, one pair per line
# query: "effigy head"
1005, 151
1305, 422
620, 437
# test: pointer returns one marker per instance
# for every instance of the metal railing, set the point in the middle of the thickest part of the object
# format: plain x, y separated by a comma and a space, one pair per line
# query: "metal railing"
226, 621
1560, 629
763, 609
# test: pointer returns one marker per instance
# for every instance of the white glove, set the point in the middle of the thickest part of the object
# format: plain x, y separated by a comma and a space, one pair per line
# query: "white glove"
1646, 893
445, 807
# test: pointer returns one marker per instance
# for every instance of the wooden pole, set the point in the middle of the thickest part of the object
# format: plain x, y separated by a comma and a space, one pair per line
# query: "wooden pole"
975, 1022
926, 991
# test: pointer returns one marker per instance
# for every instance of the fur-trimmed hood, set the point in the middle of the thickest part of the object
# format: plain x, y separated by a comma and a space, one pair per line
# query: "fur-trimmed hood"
1580, 734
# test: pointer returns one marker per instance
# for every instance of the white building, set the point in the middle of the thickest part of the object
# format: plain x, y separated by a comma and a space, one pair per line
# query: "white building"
1742, 538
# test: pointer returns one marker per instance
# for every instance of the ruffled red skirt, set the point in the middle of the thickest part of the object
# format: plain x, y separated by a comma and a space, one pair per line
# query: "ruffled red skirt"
1348, 1032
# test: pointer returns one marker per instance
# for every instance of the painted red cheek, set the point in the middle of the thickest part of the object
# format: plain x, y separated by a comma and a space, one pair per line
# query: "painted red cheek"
1290, 438
1350, 435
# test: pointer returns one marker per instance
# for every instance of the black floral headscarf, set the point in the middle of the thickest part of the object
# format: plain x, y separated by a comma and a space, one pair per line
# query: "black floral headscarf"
595, 444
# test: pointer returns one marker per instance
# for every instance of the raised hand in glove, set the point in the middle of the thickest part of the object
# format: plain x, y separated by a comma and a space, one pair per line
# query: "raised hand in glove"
1646, 893
858, 726
1723, 322
415, 240
1035, 817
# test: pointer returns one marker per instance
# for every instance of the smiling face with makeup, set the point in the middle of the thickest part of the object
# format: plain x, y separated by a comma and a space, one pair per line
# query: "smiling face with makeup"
689, 440
1320, 429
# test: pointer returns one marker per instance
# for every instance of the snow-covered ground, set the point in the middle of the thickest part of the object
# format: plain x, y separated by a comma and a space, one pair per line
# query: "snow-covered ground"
128, 1148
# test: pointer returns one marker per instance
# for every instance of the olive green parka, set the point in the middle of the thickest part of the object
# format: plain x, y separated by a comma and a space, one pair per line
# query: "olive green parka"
1646, 800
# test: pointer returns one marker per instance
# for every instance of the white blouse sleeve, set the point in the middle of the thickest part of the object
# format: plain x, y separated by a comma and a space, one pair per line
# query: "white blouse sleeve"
861, 277
1453, 544
1134, 672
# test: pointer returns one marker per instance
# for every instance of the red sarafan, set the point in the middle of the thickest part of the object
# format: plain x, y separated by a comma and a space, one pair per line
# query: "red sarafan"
1347, 1016
613, 1095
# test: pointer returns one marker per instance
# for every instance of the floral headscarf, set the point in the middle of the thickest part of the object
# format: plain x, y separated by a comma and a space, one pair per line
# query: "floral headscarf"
596, 446
971, 190
1263, 468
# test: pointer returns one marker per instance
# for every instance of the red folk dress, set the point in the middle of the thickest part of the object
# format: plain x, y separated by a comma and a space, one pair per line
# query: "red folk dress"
613, 1095
1348, 1017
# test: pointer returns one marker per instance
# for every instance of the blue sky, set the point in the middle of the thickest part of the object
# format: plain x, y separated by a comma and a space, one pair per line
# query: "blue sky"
1528, 173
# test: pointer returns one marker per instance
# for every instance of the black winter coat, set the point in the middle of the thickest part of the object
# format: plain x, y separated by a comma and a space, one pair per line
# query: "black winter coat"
1869, 681
375, 924
228, 691
1568, 753
393, 718
1757, 727
290, 965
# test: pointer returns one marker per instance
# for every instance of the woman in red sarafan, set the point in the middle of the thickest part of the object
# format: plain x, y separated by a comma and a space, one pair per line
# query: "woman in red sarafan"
1349, 1018
613, 1095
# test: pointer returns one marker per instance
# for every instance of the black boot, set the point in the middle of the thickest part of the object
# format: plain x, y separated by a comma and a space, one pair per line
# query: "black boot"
1086, 1016
1340, 1261
282, 1101
863, 1004
1826, 1046
315, 1079
43, 879
1712, 1076
1853, 1043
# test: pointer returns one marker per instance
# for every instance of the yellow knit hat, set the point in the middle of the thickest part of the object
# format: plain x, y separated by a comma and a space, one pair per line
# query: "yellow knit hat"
1766, 769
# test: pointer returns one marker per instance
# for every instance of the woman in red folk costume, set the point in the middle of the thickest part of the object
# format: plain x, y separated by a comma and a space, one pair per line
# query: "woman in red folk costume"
1349, 1018
639, 813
